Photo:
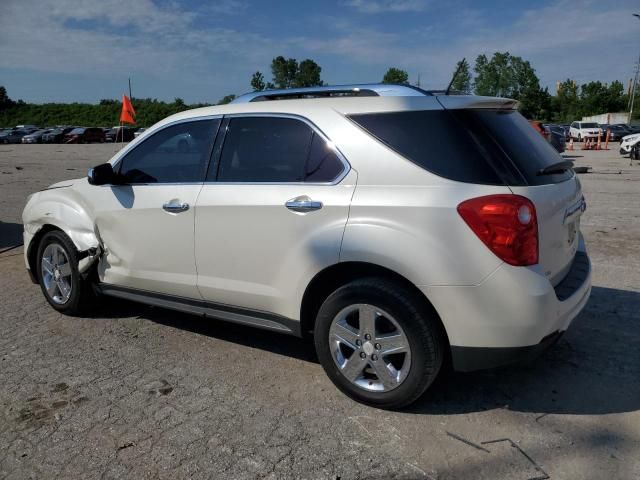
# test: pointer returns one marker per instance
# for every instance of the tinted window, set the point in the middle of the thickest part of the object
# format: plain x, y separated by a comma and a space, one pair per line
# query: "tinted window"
178, 153
522, 145
272, 149
589, 125
323, 164
434, 140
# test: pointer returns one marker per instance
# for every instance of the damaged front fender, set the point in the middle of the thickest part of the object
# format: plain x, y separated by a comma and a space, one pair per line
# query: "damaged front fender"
65, 210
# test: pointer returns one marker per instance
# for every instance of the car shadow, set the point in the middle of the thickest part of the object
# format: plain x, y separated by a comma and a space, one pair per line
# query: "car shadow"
592, 370
10, 234
278, 343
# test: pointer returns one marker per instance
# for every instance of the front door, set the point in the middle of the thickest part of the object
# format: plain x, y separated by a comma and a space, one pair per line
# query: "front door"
146, 224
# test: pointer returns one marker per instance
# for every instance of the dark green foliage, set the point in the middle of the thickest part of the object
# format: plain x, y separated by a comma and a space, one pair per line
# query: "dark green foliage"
226, 99
104, 114
462, 82
395, 75
257, 82
288, 73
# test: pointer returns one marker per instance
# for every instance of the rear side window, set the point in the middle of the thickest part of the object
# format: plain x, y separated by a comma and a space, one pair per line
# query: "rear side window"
175, 154
434, 140
527, 150
494, 147
276, 150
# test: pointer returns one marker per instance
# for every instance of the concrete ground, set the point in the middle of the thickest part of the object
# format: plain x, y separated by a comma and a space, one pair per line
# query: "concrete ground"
140, 392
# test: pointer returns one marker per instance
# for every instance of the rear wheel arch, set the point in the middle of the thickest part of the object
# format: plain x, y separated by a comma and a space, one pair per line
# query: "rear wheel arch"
339, 274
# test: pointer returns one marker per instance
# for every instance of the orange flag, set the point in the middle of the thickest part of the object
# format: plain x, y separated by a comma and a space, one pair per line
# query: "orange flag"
128, 114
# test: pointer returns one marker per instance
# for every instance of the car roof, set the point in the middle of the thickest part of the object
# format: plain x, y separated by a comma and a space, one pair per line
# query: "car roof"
387, 98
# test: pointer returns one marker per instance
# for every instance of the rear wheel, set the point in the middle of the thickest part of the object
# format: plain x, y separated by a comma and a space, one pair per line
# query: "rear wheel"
378, 344
60, 281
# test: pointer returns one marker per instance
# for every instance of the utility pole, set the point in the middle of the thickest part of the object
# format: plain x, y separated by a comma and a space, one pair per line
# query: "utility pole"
635, 82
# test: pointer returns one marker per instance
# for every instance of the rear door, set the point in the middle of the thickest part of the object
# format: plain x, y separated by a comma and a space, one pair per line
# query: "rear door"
271, 214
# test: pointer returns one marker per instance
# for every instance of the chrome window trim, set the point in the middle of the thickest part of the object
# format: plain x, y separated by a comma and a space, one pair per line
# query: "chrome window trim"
346, 166
130, 148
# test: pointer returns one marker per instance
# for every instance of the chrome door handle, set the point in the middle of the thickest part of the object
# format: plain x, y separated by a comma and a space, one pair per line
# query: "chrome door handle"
303, 204
175, 207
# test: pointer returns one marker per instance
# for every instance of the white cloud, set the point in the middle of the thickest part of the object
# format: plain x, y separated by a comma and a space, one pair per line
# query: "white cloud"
379, 6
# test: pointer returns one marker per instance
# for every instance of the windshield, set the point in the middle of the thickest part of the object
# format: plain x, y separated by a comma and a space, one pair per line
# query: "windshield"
589, 125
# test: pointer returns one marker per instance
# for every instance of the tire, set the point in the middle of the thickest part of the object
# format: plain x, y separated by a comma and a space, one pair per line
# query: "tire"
341, 341
79, 296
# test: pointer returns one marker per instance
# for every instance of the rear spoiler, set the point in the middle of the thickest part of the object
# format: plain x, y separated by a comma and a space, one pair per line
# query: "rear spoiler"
453, 102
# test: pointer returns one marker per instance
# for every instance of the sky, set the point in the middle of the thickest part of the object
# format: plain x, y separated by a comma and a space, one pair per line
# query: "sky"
200, 51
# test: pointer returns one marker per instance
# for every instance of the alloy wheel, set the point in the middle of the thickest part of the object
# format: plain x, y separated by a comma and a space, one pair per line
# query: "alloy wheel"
56, 273
370, 348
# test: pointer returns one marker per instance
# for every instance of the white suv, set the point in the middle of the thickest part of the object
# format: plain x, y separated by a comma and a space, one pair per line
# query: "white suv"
402, 229
585, 130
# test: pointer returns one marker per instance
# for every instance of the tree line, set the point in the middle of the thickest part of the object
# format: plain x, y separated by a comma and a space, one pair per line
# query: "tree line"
502, 75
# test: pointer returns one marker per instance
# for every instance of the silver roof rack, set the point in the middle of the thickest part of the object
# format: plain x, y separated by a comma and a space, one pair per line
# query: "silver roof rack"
358, 90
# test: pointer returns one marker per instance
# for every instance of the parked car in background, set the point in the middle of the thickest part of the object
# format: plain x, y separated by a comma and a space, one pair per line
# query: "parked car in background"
85, 135
629, 142
35, 137
120, 134
616, 132
403, 233
139, 131
15, 136
56, 135
555, 138
584, 130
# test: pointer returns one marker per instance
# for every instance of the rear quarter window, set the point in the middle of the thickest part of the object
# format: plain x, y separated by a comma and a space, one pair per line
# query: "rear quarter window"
434, 140
482, 146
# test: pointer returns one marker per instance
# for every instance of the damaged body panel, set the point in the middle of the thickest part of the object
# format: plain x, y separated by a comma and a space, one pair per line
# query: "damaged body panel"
60, 207
105, 227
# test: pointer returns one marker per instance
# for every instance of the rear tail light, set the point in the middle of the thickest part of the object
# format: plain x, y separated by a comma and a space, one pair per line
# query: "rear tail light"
507, 224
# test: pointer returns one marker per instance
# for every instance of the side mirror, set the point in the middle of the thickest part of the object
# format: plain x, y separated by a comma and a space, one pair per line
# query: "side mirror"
101, 175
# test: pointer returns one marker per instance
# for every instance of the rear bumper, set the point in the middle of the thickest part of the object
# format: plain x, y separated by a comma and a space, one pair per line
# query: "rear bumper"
468, 359
512, 315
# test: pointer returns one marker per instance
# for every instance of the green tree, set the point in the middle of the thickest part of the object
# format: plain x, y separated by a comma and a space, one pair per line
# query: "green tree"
5, 101
396, 75
284, 71
257, 82
505, 75
462, 82
226, 99
308, 74
288, 73
566, 102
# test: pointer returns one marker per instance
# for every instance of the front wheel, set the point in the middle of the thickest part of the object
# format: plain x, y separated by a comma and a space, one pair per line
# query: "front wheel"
378, 343
60, 281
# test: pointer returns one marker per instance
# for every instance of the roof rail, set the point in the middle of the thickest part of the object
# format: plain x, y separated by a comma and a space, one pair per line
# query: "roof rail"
356, 90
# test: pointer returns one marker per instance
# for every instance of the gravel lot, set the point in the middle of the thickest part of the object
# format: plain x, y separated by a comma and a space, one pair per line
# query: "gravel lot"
140, 392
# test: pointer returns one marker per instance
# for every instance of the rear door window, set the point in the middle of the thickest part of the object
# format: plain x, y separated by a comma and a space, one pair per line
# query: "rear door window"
276, 150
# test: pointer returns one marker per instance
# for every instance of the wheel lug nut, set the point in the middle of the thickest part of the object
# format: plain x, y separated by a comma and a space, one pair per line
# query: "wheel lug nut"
358, 342
377, 345
363, 355
367, 337
374, 357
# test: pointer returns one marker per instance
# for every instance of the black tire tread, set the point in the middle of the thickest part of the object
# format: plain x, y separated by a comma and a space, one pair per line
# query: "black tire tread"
82, 296
424, 325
